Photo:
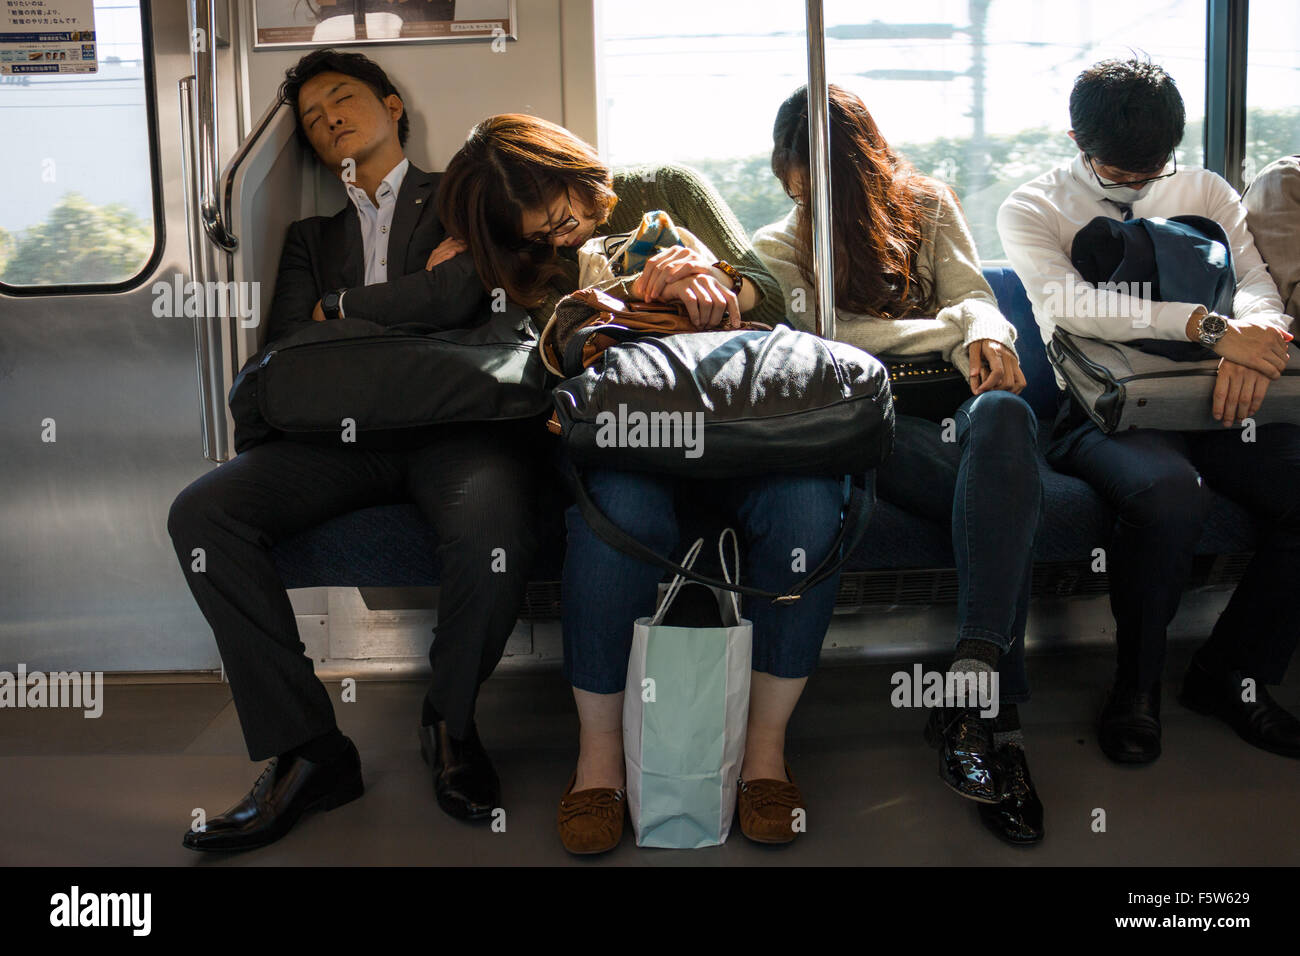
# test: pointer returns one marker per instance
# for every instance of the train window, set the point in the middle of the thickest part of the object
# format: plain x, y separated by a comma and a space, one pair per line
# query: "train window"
973, 92
1272, 70
80, 210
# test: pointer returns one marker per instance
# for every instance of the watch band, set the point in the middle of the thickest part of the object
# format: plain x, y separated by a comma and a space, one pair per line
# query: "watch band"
1210, 338
329, 304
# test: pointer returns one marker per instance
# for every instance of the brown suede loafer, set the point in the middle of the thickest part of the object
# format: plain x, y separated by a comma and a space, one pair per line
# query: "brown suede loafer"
767, 809
591, 821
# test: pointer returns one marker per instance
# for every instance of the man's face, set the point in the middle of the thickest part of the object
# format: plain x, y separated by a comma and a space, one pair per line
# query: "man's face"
343, 118
1116, 175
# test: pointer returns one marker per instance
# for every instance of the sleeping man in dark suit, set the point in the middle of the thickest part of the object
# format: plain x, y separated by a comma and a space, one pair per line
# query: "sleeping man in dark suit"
385, 257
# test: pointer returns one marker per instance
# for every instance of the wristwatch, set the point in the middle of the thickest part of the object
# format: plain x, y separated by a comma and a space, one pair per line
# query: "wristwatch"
1211, 328
737, 280
331, 304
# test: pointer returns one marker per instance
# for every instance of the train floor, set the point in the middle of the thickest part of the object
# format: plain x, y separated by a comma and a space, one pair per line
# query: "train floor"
120, 790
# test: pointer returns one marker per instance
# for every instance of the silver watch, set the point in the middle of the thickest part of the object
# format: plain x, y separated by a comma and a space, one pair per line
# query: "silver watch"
1211, 328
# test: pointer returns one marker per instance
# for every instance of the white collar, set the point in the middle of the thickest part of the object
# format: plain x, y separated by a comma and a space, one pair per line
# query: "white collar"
393, 180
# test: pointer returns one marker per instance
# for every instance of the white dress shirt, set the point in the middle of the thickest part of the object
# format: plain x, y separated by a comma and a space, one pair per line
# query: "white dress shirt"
377, 221
1038, 223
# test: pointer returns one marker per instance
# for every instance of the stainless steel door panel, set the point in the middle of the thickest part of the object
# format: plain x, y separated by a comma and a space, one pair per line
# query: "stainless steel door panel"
88, 579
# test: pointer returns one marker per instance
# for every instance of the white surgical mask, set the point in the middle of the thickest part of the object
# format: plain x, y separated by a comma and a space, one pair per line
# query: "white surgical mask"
1126, 194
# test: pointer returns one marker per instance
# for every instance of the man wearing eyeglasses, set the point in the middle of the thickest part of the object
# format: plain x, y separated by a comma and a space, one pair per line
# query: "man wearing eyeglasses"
1128, 120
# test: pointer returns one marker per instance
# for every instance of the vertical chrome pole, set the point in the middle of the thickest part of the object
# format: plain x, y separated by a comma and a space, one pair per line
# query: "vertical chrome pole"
820, 171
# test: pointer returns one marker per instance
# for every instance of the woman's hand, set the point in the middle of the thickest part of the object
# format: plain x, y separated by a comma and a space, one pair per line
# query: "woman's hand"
994, 367
449, 248
709, 303
666, 267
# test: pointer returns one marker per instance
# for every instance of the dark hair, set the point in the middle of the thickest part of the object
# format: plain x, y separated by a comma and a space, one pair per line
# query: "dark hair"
511, 163
877, 207
1127, 114
355, 65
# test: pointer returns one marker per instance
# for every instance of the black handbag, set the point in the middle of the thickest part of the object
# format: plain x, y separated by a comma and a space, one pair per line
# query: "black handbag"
926, 385
388, 381
727, 404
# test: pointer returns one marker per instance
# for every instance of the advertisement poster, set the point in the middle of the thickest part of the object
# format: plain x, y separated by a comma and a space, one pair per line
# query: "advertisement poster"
327, 22
47, 36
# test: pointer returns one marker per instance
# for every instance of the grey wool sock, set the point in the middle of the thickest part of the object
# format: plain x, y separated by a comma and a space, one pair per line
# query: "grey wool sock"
974, 657
1006, 727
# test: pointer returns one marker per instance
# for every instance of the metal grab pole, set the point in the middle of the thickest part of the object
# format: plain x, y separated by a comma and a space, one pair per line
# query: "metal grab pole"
820, 171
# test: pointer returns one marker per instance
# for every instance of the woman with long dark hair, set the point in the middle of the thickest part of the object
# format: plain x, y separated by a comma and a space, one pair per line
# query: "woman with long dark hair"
908, 283
524, 195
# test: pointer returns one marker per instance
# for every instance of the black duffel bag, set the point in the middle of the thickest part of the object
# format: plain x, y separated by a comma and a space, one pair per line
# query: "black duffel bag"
728, 404
388, 380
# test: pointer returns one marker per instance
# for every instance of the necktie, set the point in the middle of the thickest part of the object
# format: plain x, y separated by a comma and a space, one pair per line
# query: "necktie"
1124, 207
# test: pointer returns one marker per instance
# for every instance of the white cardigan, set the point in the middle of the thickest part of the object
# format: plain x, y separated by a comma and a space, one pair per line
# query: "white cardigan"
967, 311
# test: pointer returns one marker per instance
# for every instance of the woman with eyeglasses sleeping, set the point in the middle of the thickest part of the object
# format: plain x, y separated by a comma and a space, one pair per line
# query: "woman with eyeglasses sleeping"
522, 196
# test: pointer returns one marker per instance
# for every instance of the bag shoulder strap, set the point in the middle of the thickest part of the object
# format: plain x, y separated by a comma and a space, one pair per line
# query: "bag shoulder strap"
852, 529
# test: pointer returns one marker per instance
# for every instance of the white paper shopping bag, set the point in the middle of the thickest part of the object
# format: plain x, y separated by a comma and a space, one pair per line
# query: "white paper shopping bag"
684, 719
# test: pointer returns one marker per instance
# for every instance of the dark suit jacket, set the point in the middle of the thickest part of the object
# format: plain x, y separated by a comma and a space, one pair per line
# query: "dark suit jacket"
325, 253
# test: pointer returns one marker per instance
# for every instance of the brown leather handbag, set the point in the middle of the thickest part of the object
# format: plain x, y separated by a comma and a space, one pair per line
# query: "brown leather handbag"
571, 341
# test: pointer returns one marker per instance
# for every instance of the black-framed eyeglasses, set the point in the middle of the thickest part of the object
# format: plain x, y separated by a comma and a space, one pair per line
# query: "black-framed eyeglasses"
1173, 158
563, 229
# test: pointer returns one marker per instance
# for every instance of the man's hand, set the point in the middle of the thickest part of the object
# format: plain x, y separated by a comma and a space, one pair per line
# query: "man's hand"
1255, 345
1238, 393
707, 301
666, 267
318, 314
449, 248
994, 367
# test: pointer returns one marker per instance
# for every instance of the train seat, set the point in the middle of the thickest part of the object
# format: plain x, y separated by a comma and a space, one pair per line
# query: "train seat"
393, 546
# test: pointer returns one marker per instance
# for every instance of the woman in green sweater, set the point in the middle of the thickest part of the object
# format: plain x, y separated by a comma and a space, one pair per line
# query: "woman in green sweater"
908, 282
523, 195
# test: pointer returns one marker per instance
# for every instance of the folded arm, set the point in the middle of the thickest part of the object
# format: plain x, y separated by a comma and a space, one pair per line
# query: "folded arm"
1058, 293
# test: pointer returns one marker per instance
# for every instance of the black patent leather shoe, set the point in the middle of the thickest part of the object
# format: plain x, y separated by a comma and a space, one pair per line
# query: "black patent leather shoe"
967, 760
1262, 723
1129, 727
464, 779
287, 788
1018, 818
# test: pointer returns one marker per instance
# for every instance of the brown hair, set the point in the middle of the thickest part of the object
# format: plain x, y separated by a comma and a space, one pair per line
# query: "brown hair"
511, 163
877, 207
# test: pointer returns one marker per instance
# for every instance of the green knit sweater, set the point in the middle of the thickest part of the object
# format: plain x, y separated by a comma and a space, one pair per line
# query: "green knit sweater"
691, 202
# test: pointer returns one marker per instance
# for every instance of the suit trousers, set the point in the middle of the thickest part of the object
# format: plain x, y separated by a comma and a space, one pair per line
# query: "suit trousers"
476, 484
1158, 482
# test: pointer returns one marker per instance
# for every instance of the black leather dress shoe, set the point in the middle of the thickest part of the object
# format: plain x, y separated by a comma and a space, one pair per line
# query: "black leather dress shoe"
1262, 723
464, 780
967, 760
286, 790
1018, 818
1129, 727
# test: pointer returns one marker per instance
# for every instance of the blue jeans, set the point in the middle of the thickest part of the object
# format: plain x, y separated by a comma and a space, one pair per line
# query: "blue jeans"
605, 590
986, 484
1159, 484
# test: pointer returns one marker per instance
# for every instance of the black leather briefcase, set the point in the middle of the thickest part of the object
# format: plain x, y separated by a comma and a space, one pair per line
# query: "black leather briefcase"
351, 380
